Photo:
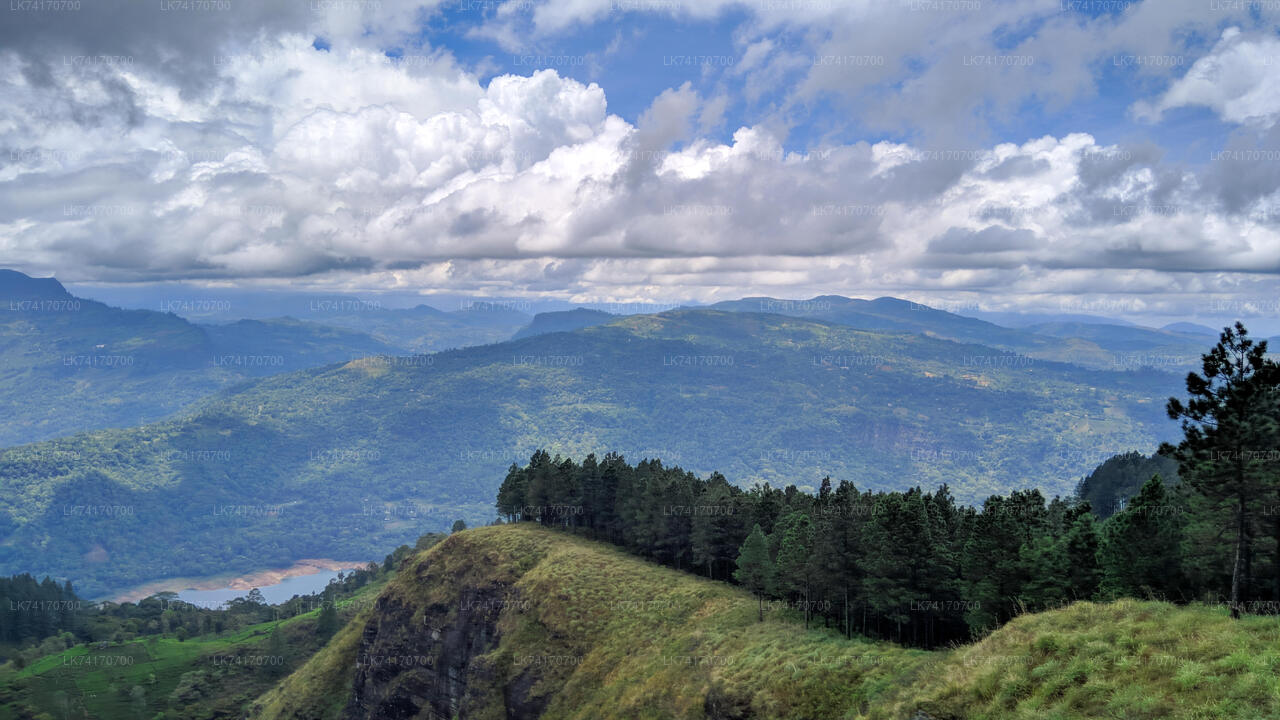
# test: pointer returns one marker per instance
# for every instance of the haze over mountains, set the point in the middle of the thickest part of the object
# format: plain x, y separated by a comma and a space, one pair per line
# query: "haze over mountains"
70, 364
343, 460
330, 439
1089, 343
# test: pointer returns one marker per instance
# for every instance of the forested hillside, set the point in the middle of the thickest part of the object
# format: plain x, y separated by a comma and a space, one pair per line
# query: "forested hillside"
525, 622
1108, 488
345, 459
863, 560
69, 364
1098, 345
422, 328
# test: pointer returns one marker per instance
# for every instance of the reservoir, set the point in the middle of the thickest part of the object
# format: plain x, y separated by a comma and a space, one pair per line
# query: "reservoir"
277, 593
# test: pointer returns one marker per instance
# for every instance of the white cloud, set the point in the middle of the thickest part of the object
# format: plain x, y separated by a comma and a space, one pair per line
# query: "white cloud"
358, 171
1239, 80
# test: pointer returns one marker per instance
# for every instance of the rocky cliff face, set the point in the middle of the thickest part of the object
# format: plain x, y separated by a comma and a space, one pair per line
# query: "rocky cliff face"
440, 660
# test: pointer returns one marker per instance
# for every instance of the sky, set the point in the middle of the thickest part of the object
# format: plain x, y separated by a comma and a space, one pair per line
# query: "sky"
1120, 158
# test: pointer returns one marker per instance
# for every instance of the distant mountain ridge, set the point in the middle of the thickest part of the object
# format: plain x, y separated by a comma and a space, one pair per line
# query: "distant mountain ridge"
563, 321
1191, 329
415, 327
327, 458
425, 329
110, 367
69, 364
1094, 344
16, 287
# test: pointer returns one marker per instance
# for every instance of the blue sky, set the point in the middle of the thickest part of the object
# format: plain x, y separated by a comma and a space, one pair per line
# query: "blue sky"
633, 55
998, 154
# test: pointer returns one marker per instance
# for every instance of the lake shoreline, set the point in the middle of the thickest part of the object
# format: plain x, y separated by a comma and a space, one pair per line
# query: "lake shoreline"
243, 581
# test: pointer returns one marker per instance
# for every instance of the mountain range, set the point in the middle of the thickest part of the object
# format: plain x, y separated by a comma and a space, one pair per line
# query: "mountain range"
346, 459
69, 364
1082, 341
72, 364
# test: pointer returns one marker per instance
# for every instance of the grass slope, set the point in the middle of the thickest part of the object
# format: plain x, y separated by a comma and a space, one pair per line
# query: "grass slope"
219, 674
319, 689
342, 449
602, 635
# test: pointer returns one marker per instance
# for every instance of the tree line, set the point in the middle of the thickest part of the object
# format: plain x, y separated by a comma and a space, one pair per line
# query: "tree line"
42, 617
918, 568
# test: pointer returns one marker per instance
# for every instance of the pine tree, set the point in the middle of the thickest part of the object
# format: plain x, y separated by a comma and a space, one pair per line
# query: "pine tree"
1226, 427
1081, 547
1142, 545
327, 623
717, 528
795, 548
276, 651
511, 495
755, 568
995, 568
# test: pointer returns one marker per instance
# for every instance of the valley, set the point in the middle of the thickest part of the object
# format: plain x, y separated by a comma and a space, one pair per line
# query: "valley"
250, 478
640, 360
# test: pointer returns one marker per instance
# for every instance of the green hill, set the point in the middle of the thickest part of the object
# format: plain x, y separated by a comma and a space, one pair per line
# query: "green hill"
69, 364
214, 675
1108, 488
1098, 345
345, 460
423, 328
524, 622
563, 321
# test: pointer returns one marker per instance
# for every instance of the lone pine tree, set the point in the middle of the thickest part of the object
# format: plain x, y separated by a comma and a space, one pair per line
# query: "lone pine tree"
1228, 426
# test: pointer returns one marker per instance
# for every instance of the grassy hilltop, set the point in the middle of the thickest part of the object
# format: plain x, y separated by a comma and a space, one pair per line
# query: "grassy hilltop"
569, 628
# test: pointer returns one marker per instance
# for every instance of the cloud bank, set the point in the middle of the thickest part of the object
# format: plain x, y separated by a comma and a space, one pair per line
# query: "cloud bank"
239, 147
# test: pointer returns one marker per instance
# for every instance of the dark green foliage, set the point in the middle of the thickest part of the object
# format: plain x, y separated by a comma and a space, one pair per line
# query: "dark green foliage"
1000, 542
909, 566
1118, 478
327, 624
756, 571
794, 559
1081, 546
1141, 553
1229, 442
32, 610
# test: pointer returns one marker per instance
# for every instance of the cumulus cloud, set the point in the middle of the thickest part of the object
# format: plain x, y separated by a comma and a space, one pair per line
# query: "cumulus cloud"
342, 166
946, 70
1239, 80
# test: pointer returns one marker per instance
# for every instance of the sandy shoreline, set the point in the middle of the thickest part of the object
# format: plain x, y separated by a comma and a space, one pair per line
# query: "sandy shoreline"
248, 581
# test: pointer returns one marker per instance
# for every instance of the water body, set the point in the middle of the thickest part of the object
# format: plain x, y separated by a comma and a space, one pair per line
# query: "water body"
278, 593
